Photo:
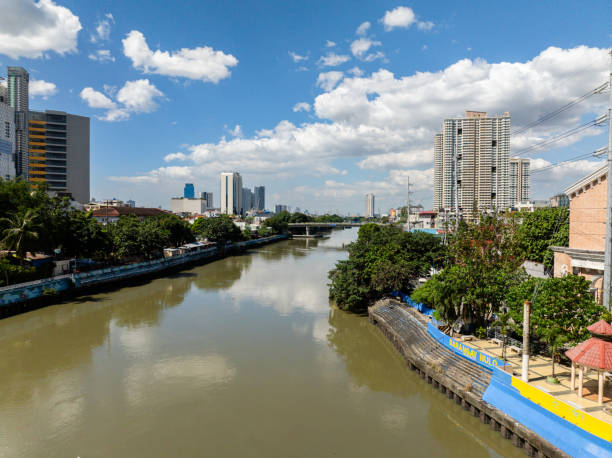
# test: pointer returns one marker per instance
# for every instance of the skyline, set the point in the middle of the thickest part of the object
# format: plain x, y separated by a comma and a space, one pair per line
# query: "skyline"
170, 105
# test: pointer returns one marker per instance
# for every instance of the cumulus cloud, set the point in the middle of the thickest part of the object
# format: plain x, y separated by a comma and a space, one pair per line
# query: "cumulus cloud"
41, 88
361, 46
363, 28
333, 60
297, 58
102, 55
301, 106
387, 122
103, 29
202, 63
175, 157
30, 29
134, 97
328, 80
330, 44
404, 17
356, 71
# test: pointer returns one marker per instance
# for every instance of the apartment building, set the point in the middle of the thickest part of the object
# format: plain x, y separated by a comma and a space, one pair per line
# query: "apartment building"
471, 164
231, 193
18, 99
260, 198
519, 181
7, 141
59, 153
369, 210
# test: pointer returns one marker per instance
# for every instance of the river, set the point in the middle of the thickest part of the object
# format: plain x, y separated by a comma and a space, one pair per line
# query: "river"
239, 357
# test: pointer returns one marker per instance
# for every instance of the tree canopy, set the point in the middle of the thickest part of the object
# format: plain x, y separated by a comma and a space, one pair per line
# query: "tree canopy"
219, 230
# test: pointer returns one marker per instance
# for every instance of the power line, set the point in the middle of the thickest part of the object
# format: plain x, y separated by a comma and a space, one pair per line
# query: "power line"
598, 90
557, 164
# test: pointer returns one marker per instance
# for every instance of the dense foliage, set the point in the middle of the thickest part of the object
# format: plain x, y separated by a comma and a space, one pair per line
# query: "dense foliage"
382, 259
219, 230
541, 229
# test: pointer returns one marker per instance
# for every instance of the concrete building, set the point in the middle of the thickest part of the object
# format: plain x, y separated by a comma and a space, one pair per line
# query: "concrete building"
532, 205
280, 208
559, 200
208, 198
231, 193
518, 181
369, 206
59, 153
587, 231
131, 203
248, 199
184, 206
7, 142
106, 215
18, 98
260, 198
189, 191
471, 164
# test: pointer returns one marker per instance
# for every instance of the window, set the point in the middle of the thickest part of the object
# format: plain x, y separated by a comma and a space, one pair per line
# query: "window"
494, 143
493, 169
459, 131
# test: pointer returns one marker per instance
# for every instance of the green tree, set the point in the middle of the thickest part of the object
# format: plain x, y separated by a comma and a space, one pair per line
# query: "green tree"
219, 230
541, 229
20, 235
382, 259
300, 218
279, 222
179, 231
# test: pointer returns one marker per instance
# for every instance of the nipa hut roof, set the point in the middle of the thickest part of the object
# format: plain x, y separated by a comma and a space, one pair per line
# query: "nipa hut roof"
601, 328
595, 353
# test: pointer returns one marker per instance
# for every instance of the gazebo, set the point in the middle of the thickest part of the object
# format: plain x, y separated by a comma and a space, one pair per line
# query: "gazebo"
595, 353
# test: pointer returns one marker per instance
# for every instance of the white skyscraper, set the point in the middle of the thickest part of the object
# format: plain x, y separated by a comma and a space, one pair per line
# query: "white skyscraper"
471, 164
231, 193
369, 206
519, 181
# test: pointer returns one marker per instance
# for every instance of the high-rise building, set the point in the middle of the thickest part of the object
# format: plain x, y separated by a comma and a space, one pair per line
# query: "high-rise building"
208, 199
369, 212
280, 208
518, 181
471, 164
260, 198
247, 199
231, 193
189, 191
7, 141
59, 153
18, 98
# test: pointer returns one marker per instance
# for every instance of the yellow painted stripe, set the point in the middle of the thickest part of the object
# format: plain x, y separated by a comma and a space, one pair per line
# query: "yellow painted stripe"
37, 172
36, 150
37, 158
578, 417
38, 143
33, 121
37, 136
38, 129
38, 179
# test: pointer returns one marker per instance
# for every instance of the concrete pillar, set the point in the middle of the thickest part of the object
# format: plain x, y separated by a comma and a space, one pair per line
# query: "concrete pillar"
307, 231
600, 388
526, 330
580, 380
573, 377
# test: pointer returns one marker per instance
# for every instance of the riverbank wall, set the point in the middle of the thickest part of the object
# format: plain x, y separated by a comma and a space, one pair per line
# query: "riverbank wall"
481, 385
22, 297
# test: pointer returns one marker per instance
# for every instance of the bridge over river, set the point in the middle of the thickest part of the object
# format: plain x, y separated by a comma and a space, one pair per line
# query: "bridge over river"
316, 229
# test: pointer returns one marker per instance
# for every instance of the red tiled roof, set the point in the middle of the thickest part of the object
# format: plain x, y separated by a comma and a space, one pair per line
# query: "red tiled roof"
126, 211
595, 353
601, 328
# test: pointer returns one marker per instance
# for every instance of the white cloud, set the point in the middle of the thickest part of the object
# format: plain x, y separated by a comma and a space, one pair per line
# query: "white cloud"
402, 16
102, 55
330, 44
356, 71
236, 131
297, 58
103, 29
96, 99
41, 88
328, 80
301, 106
139, 96
363, 28
135, 97
425, 25
175, 157
29, 29
361, 46
203, 63
333, 60
387, 122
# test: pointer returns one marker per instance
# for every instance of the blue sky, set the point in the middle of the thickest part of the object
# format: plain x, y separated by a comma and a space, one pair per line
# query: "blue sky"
333, 99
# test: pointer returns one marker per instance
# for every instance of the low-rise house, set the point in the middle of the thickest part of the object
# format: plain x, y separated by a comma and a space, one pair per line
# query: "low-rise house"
107, 215
587, 231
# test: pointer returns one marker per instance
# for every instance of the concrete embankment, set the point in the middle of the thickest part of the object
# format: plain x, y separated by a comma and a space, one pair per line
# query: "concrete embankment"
462, 380
22, 297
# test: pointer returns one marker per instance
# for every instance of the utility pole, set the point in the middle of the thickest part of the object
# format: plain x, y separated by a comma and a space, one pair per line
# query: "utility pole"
408, 203
526, 328
608, 252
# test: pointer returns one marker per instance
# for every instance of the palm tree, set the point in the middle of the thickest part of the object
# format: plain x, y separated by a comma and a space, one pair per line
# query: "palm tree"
19, 234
